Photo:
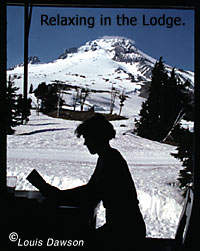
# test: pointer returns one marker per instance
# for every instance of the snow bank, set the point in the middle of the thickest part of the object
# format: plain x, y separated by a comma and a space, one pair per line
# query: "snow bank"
50, 146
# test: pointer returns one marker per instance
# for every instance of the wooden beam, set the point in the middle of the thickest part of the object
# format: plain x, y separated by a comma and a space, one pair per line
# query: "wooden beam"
27, 23
192, 238
3, 83
25, 50
110, 4
197, 105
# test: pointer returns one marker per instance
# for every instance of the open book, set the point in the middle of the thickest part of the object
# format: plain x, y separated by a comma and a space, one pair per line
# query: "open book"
36, 180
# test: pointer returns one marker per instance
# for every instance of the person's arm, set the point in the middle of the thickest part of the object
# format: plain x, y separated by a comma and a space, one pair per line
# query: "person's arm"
36, 180
76, 196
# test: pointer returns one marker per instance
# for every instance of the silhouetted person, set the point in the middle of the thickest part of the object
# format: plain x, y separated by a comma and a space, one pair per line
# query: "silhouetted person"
112, 183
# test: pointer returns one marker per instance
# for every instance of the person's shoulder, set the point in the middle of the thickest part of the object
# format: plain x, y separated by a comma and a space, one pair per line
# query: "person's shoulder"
114, 154
115, 151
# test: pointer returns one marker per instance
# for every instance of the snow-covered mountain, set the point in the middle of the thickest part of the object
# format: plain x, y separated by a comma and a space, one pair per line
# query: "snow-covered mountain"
98, 65
49, 144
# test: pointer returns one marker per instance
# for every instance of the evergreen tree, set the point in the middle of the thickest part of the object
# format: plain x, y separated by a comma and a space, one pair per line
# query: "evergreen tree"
20, 107
76, 96
31, 89
149, 125
40, 91
185, 155
167, 103
49, 96
23, 109
50, 101
84, 94
11, 103
114, 93
172, 109
122, 98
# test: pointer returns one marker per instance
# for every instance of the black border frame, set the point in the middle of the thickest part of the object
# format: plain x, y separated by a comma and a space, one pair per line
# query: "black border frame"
192, 236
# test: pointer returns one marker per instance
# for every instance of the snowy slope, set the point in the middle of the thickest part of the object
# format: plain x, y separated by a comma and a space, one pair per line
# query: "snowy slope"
50, 146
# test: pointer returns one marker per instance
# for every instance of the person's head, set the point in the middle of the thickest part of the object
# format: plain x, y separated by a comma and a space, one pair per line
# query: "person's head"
97, 132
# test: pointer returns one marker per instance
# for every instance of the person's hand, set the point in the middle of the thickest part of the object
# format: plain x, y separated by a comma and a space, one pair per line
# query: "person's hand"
50, 191
46, 189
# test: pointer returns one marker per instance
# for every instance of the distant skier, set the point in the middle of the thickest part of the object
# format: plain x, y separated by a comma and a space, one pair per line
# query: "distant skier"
111, 183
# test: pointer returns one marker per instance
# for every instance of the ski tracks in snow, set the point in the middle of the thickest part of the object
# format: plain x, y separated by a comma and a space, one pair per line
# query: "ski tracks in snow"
50, 146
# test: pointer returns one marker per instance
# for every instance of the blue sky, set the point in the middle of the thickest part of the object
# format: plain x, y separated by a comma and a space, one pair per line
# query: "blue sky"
175, 44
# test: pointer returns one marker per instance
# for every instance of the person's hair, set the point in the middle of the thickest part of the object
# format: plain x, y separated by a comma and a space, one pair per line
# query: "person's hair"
97, 127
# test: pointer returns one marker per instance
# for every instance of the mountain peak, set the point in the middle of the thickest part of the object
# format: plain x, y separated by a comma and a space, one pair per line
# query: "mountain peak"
33, 60
108, 43
68, 51
117, 39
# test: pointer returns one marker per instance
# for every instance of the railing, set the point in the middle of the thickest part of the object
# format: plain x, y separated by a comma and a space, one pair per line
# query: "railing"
30, 219
180, 242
